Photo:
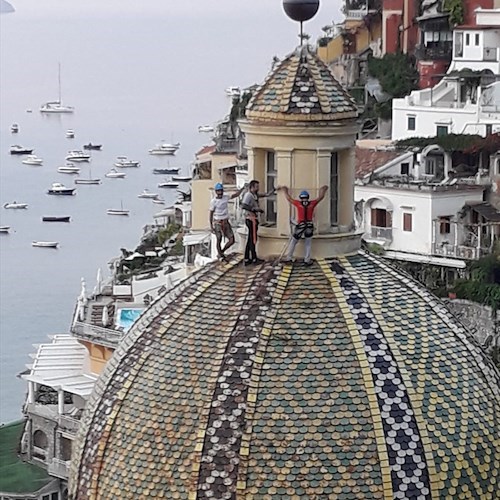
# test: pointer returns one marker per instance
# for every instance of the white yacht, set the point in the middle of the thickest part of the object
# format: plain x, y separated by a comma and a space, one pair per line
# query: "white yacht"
45, 244
59, 189
114, 174
4, 229
165, 149
70, 133
123, 162
147, 194
69, 168
32, 160
168, 184
56, 106
15, 205
78, 156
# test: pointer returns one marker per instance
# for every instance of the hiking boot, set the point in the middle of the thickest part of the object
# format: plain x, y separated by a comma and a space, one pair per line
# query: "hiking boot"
308, 263
247, 262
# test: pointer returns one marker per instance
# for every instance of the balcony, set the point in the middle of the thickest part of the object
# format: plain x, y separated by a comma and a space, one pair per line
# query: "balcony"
68, 425
381, 233
97, 334
491, 54
59, 468
459, 251
439, 52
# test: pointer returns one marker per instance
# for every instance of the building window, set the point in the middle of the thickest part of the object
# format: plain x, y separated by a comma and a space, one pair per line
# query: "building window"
430, 166
441, 130
476, 39
459, 44
54, 496
467, 39
407, 222
405, 169
412, 123
444, 225
271, 174
489, 129
334, 189
381, 218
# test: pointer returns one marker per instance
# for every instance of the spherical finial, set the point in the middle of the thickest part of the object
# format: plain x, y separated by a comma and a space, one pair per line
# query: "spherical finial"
301, 10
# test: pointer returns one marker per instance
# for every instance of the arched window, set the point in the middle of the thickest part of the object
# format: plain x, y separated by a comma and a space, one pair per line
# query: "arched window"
40, 440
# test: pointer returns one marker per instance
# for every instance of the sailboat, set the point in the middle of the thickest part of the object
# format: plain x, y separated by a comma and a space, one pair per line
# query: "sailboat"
89, 180
56, 106
115, 211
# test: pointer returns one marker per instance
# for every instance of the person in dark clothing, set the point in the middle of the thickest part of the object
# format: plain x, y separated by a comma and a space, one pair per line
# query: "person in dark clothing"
250, 206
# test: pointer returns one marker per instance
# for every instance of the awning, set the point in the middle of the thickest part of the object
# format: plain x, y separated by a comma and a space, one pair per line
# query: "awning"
224, 167
489, 212
427, 259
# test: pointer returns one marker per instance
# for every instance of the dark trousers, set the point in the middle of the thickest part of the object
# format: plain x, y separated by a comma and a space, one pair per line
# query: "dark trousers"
253, 226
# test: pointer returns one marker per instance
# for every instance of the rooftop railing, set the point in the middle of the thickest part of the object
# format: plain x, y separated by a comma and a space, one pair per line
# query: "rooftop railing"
99, 334
384, 233
59, 468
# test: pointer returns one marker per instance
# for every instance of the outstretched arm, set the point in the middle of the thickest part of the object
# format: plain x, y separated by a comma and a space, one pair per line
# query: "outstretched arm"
287, 193
237, 193
322, 192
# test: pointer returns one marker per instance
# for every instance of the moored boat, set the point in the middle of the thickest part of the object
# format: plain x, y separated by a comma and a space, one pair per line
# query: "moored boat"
95, 147
32, 160
15, 205
168, 184
165, 149
64, 218
114, 174
205, 128
45, 244
70, 134
89, 180
56, 106
181, 178
4, 229
59, 189
147, 194
14, 128
114, 211
123, 162
77, 156
233, 91
16, 149
69, 168
165, 171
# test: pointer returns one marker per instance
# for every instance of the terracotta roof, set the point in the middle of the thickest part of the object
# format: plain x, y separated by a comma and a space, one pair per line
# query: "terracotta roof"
206, 150
343, 380
301, 89
368, 160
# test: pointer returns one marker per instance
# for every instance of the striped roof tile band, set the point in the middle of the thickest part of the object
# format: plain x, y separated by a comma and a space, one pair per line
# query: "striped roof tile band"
343, 380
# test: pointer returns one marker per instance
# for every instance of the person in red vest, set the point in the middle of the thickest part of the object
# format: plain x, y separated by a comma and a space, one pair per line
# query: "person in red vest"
304, 223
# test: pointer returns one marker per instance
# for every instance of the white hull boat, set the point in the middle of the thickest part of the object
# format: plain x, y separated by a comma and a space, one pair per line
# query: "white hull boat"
181, 178
70, 134
113, 211
165, 149
205, 128
88, 182
124, 162
15, 206
148, 195
168, 184
14, 128
233, 91
114, 174
159, 201
45, 244
59, 189
77, 156
32, 160
4, 229
56, 106
69, 169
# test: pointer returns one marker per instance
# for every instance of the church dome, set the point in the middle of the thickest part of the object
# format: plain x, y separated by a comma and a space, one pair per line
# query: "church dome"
344, 380
301, 88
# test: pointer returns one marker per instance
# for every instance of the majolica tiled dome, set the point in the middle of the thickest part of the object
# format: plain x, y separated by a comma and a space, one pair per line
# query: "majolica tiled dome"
344, 380
301, 89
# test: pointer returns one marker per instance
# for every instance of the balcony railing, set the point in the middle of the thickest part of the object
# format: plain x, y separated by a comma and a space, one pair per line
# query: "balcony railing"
460, 251
59, 468
384, 233
69, 424
442, 51
490, 54
99, 334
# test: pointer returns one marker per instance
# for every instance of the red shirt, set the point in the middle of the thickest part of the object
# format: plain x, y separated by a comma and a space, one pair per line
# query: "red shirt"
305, 213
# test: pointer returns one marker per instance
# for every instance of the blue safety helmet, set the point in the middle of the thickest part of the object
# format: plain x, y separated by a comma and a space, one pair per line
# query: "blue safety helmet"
218, 187
304, 194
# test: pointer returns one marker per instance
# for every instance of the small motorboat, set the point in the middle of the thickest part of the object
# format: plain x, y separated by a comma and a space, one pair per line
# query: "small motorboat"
77, 156
69, 168
181, 178
233, 91
94, 147
205, 128
168, 184
45, 244
70, 134
124, 162
4, 229
14, 128
148, 195
59, 189
64, 218
19, 150
165, 171
15, 205
158, 201
165, 149
32, 160
114, 174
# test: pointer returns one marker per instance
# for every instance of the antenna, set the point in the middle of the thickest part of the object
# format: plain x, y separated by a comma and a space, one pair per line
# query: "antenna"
300, 11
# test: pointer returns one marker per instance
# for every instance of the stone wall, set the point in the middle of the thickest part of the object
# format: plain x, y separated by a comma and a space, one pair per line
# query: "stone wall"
479, 319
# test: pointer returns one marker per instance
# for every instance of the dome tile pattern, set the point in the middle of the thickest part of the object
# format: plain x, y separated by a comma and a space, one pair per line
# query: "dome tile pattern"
301, 88
345, 380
